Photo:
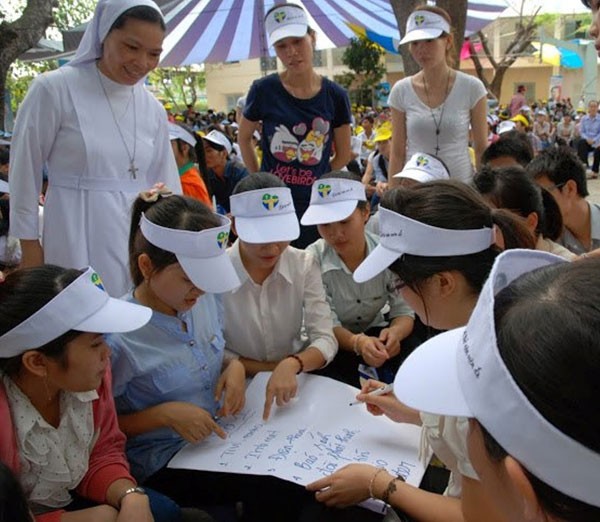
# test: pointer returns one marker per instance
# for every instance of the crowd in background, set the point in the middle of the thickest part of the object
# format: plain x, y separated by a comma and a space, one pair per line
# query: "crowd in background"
297, 233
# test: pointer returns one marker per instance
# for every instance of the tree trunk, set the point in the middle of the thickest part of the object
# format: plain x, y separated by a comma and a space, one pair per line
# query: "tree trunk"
458, 13
19, 36
524, 34
402, 9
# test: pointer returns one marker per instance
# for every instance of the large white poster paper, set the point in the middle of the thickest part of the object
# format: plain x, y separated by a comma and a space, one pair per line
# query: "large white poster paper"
313, 436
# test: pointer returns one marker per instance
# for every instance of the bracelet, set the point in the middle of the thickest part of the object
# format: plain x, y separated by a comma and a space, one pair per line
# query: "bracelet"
294, 356
355, 344
136, 489
372, 481
391, 488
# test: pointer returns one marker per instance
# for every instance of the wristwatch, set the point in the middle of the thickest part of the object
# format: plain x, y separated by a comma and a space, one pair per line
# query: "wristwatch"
136, 489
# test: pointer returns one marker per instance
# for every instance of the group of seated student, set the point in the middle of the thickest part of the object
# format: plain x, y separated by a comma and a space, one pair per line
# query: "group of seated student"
98, 394
559, 173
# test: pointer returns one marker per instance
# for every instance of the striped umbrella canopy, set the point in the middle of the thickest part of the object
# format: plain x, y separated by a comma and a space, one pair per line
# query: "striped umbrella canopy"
211, 31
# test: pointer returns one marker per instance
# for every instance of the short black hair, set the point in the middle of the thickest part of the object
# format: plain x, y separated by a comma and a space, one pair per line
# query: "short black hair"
513, 144
257, 181
559, 165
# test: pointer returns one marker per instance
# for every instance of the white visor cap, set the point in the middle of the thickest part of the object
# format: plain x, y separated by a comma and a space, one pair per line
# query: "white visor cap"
285, 21
472, 380
265, 215
423, 167
333, 200
176, 132
84, 306
399, 235
505, 126
202, 254
424, 25
218, 138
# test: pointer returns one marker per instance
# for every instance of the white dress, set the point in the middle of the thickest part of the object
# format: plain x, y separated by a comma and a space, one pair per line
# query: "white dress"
454, 129
65, 124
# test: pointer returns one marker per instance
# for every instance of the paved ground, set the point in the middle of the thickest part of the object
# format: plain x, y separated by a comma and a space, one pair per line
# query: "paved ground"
594, 190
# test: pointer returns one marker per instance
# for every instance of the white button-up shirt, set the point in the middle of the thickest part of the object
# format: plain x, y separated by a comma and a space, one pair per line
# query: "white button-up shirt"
284, 315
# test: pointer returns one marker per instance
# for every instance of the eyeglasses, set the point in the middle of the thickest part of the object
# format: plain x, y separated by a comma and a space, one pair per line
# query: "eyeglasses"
557, 186
395, 285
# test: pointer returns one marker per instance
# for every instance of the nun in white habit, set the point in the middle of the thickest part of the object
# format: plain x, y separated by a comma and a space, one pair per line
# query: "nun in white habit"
102, 137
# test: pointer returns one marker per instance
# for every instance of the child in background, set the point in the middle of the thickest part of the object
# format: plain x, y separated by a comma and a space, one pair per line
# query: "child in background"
188, 152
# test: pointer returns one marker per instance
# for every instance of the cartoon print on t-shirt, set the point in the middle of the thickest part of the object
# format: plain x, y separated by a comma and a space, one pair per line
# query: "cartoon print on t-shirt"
287, 148
284, 145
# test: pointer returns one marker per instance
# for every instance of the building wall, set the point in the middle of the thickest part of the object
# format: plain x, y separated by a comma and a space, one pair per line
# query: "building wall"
226, 82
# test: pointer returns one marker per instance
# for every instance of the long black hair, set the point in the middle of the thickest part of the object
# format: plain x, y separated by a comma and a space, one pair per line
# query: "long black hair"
178, 212
13, 503
452, 205
513, 189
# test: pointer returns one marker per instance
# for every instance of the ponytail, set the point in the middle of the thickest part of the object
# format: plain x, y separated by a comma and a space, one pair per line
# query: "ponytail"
513, 189
452, 205
552, 226
169, 211
196, 155
513, 229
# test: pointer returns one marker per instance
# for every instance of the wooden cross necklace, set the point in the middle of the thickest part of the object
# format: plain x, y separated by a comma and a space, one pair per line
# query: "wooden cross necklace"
436, 122
132, 168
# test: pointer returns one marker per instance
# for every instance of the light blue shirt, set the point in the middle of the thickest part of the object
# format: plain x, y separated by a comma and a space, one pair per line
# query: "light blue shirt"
162, 362
357, 306
569, 241
590, 128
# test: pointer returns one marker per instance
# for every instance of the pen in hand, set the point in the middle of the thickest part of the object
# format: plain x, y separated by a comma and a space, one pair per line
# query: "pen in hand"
377, 391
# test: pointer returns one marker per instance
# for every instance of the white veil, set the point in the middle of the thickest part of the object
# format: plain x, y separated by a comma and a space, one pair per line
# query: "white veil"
107, 11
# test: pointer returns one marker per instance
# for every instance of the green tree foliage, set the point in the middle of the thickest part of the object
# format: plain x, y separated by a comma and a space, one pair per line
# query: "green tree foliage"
363, 58
71, 13
179, 85
16, 74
